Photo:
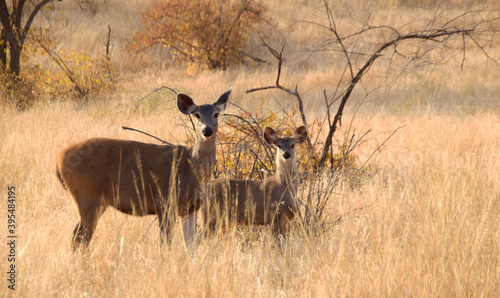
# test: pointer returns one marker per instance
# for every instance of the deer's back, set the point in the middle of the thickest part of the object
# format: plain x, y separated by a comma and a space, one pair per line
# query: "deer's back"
251, 201
131, 176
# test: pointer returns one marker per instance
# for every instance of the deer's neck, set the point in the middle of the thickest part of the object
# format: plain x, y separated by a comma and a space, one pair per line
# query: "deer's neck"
286, 173
203, 157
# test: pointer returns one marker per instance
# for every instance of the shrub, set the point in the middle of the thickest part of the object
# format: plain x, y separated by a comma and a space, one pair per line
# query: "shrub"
78, 76
81, 76
22, 90
203, 33
244, 154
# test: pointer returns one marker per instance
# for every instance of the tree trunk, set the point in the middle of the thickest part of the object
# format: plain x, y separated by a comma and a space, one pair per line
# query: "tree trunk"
15, 59
3, 50
14, 34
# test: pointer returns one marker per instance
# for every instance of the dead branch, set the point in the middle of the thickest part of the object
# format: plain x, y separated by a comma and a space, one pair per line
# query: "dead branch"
256, 59
296, 94
149, 135
440, 35
108, 41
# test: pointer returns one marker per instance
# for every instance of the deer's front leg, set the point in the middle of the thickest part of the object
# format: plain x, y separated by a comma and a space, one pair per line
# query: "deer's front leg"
189, 230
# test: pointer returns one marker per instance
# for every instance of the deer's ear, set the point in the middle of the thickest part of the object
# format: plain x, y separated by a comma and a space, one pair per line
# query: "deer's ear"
220, 104
300, 134
185, 104
270, 136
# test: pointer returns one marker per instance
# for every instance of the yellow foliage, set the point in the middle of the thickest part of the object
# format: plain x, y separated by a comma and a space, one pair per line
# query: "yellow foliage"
244, 154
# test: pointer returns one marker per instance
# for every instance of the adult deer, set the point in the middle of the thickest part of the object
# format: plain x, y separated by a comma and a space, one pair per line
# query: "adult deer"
142, 179
271, 201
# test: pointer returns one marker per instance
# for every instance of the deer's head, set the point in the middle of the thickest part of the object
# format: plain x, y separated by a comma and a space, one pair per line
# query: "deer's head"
206, 116
285, 146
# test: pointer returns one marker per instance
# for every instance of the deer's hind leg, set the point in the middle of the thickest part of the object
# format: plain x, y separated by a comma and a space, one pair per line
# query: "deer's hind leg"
282, 223
166, 220
209, 226
90, 210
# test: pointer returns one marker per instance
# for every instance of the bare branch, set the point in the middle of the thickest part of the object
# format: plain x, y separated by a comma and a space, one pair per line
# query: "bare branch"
296, 94
439, 35
149, 135
33, 14
333, 29
108, 54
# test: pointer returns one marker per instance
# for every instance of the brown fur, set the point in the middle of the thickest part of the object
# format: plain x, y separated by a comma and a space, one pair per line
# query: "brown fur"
271, 201
138, 178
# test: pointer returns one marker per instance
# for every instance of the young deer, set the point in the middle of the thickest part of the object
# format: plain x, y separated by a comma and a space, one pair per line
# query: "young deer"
271, 201
141, 179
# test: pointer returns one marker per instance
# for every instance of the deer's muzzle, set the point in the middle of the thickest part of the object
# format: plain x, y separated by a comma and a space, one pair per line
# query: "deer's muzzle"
207, 131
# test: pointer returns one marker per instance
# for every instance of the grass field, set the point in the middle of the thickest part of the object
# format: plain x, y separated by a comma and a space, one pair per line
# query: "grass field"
424, 221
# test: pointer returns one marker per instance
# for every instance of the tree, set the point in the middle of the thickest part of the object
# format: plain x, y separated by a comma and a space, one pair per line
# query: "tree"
13, 35
203, 32
471, 28
456, 33
434, 41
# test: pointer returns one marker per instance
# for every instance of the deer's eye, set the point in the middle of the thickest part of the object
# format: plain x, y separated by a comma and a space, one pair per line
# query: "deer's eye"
216, 115
197, 115
278, 145
292, 146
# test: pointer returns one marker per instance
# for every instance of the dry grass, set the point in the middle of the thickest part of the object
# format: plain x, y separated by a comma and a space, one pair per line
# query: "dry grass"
429, 224
430, 212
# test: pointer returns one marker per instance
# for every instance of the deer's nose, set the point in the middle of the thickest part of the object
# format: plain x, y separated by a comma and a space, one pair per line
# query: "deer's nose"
207, 131
286, 155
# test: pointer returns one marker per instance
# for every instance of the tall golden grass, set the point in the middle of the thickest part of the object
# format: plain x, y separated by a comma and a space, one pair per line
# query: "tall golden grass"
424, 222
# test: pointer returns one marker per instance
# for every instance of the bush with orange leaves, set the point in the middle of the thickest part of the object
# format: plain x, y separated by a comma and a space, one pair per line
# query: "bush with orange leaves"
202, 33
